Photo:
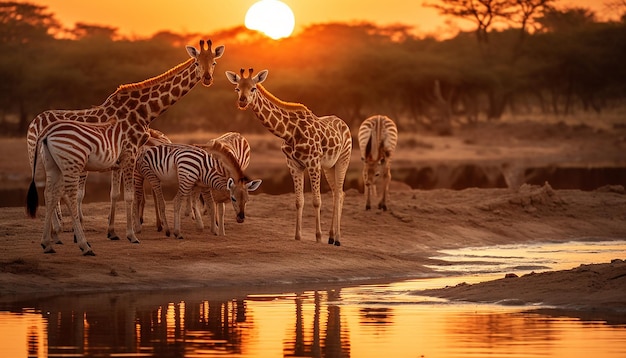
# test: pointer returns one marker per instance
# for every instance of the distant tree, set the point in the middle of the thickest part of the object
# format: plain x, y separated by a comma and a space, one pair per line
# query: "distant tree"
24, 22
83, 31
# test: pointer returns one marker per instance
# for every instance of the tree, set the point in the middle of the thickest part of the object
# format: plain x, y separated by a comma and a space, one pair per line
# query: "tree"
23, 23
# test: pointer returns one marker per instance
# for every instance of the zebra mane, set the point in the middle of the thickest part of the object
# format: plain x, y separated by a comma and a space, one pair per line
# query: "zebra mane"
292, 106
156, 79
226, 157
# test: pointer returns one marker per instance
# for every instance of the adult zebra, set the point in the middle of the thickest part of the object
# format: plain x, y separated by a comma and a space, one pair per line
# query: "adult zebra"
215, 199
212, 167
70, 148
378, 137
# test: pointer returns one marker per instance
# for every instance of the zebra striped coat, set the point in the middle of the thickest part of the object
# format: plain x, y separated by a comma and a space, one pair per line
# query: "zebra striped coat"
215, 200
378, 137
208, 167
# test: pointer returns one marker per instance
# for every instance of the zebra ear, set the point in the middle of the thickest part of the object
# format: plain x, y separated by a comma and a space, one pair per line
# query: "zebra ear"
232, 77
230, 183
254, 185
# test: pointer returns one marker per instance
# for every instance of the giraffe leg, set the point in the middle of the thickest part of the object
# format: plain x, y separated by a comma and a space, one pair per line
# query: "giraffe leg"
340, 169
315, 177
114, 196
298, 185
138, 203
330, 174
127, 165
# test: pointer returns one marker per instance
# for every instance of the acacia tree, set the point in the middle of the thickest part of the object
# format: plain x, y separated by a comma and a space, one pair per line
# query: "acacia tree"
22, 26
485, 13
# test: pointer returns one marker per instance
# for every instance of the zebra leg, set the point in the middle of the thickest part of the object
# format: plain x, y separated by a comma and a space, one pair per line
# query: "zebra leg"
114, 196
385, 187
209, 205
194, 201
81, 195
160, 206
57, 224
221, 208
178, 200
71, 190
298, 185
157, 212
53, 193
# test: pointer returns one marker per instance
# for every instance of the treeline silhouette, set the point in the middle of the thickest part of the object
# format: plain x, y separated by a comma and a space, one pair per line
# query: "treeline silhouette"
569, 63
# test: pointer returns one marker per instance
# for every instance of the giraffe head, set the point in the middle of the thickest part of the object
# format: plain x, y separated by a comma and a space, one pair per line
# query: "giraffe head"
239, 194
205, 60
246, 86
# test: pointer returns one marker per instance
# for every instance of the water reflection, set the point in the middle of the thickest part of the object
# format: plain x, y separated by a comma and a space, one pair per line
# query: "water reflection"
318, 323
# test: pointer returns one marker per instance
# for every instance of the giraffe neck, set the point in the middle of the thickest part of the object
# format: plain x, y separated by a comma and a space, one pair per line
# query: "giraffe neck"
279, 117
144, 101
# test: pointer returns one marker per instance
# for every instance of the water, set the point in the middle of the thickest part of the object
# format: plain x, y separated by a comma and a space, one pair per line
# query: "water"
378, 320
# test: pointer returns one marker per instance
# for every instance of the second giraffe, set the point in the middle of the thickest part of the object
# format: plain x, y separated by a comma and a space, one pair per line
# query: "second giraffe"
310, 143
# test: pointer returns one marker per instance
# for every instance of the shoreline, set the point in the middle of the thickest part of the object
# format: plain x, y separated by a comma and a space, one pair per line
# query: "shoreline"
376, 246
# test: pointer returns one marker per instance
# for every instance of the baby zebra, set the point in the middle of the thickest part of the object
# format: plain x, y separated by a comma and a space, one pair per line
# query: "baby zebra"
215, 199
378, 137
191, 166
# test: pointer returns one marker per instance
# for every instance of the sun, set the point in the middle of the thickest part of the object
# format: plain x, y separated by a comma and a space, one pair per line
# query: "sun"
274, 18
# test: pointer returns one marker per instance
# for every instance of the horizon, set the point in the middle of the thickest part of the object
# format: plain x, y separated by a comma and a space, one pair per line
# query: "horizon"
123, 15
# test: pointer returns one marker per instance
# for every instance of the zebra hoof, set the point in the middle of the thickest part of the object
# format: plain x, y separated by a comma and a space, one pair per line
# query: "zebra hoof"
383, 207
367, 207
89, 253
59, 242
48, 250
113, 237
337, 243
167, 233
331, 241
133, 241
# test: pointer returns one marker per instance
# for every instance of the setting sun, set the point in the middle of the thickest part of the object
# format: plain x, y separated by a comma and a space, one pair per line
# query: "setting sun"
272, 17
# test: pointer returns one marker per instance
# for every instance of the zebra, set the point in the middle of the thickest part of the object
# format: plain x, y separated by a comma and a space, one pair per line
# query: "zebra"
68, 149
210, 167
378, 137
215, 199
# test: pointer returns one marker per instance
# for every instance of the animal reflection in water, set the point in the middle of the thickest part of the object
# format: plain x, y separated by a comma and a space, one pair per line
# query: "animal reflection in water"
130, 323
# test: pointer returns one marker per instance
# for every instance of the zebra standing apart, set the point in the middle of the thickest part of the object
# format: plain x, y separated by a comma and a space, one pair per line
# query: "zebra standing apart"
378, 137
190, 166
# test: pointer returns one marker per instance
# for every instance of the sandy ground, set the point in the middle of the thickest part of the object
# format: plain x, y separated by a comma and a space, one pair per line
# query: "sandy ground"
376, 246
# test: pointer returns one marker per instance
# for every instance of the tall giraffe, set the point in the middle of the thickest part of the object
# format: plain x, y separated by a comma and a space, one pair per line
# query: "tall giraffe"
70, 148
310, 144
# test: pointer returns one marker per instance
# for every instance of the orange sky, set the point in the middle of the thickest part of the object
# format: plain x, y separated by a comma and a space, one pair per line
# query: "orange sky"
143, 18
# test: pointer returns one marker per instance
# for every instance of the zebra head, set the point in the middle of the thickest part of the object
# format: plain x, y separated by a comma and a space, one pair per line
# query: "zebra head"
239, 194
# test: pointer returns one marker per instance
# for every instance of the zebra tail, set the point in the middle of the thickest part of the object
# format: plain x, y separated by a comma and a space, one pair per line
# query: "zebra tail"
32, 198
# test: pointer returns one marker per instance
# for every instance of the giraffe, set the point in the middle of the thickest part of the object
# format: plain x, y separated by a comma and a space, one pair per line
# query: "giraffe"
72, 147
310, 144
